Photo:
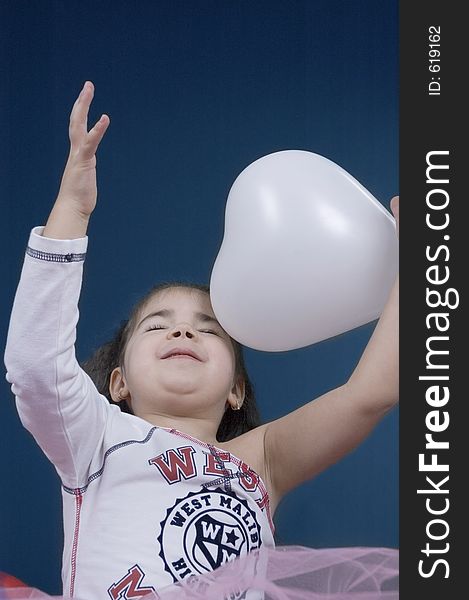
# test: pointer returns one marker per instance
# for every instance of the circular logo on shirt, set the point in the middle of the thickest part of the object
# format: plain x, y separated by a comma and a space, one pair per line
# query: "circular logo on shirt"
205, 530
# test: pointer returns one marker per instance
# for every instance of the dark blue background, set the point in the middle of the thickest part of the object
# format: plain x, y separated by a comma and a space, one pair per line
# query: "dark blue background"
196, 91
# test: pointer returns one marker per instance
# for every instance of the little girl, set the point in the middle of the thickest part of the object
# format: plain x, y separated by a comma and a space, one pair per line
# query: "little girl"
166, 472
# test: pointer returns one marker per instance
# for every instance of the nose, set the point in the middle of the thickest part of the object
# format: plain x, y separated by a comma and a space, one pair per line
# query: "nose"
182, 330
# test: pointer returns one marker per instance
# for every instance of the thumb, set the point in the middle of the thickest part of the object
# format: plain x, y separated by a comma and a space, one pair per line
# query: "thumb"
395, 210
94, 137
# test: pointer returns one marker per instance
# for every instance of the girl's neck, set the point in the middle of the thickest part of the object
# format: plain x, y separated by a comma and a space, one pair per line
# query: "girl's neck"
202, 430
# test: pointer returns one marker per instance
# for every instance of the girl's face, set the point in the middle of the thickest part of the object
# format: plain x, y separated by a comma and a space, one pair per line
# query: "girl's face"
177, 386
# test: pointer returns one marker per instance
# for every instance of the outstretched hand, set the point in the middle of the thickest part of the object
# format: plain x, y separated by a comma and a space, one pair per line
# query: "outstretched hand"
78, 186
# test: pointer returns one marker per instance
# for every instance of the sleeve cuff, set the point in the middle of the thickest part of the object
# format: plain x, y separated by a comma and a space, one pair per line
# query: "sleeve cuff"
56, 250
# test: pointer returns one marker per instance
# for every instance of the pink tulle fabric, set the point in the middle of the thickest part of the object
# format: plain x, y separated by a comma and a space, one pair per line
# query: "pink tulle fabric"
281, 573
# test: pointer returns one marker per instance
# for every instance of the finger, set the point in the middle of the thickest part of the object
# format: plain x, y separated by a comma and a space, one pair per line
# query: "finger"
94, 137
79, 116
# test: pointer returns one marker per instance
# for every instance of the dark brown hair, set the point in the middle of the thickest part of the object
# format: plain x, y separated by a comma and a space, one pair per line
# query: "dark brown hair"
111, 355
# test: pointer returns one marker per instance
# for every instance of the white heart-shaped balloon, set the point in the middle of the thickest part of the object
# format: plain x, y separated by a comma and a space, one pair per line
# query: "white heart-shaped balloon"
307, 253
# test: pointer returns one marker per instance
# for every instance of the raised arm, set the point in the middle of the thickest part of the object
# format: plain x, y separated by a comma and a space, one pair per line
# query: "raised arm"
316, 435
56, 400
374, 384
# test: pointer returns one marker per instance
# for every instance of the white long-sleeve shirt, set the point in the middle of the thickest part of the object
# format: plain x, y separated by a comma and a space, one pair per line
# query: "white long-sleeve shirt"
143, 506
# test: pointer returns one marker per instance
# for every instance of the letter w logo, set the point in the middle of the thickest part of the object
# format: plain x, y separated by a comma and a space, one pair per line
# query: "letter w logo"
175, 463
129, 586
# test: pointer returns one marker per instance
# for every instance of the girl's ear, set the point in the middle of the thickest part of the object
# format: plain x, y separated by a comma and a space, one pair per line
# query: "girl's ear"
117, 386
236, 396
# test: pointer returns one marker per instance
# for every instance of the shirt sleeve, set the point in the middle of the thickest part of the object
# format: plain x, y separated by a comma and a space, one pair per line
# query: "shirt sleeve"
56, 400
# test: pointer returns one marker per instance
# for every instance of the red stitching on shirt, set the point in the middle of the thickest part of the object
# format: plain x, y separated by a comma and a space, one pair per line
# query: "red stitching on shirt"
78, 501
265, 501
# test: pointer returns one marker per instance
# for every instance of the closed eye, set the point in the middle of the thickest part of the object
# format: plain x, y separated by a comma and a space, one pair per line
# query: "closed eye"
153, 327
156, 327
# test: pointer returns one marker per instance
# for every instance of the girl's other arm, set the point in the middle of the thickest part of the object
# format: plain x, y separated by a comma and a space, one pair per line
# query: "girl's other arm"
375, 381
303, 443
